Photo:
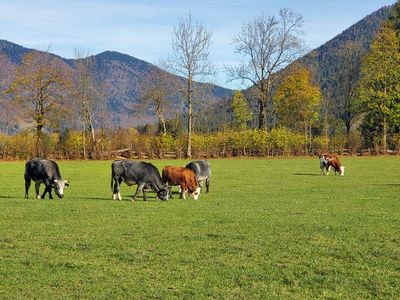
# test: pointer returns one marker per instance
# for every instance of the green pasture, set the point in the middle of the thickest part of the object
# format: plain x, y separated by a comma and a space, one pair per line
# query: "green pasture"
269, 229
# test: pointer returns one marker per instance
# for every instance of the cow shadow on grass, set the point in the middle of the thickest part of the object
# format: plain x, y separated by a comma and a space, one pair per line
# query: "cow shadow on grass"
306, 174
124, 198
11, 197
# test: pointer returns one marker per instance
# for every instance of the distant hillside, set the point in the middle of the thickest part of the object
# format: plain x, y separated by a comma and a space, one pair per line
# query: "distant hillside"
123, 75
328, 60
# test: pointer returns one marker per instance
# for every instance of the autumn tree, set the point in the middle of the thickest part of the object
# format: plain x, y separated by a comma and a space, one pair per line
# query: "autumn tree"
85, 96
297, 100
268, 44
190, 58
379, 87
39, 89
158, 93
241, 110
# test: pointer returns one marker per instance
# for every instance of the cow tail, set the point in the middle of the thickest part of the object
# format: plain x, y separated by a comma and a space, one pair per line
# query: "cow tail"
112, 190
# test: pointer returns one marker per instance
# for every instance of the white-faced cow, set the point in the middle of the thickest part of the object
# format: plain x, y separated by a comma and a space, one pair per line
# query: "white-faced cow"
145, 175
185, 178
202, 169
329, 161
44, 171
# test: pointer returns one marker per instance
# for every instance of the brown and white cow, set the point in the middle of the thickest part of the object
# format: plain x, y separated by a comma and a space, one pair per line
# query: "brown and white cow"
329, 161
185, 178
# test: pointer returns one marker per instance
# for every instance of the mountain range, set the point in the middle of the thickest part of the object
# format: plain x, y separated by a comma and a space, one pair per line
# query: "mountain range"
124, 75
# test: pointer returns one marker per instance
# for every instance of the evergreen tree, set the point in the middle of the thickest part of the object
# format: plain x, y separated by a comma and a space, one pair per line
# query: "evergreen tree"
394, 17
379, 87
241, 110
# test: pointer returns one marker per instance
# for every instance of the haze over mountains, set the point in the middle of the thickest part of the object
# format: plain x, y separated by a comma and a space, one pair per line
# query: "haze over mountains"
124, 75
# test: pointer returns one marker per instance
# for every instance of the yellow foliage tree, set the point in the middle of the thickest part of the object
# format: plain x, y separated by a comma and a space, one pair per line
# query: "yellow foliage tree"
297, 101
39, 89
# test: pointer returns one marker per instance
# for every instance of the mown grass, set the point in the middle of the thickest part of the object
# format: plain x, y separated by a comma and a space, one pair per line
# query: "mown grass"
270, 228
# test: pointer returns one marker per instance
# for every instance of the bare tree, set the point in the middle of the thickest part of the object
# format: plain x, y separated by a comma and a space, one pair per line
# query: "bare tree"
158, 93
8, 117
85, 95
190, 59
269, 44
350, 57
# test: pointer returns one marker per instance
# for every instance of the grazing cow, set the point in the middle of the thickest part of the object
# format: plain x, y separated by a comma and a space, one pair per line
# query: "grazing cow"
185, 178
329, 161
202, 169
144, 174
44, 171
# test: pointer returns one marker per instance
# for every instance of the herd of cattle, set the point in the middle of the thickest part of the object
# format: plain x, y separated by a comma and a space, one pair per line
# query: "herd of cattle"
146, 176
143, 174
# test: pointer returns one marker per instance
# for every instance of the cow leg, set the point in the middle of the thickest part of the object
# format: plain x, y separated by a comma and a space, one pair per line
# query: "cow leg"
117, 189
45, 191
138, 190
170, 191
49, 190
207, 185
37, 185
27, 185
328, 170
144, 195
183, 191
200, 183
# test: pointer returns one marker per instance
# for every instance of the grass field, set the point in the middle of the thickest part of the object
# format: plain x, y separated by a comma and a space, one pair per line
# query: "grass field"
270, 228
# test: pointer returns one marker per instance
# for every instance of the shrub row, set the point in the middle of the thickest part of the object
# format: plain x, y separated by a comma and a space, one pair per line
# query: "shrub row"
247, 142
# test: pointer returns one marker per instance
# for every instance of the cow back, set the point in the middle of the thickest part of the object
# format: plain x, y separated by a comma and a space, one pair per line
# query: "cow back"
138, 172
201, 168
40, 169
172, 175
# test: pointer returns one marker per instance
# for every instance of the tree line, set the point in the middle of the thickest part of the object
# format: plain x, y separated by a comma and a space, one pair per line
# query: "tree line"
283, 112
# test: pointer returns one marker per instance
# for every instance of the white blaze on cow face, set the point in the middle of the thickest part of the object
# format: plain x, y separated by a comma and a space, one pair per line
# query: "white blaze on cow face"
341, 171
59, 186
196, 193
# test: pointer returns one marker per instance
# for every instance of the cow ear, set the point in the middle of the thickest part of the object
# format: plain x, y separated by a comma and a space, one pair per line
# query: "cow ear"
66, 182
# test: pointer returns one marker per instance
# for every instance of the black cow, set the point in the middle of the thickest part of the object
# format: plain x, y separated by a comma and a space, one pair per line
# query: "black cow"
202, 169
44, 171
144, 174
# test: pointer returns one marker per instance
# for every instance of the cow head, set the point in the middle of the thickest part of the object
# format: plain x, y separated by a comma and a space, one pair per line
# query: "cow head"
58, 186
163, 193
195, 194
323, 159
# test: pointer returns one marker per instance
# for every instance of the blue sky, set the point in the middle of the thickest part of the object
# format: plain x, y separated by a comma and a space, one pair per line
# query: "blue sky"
143, 28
